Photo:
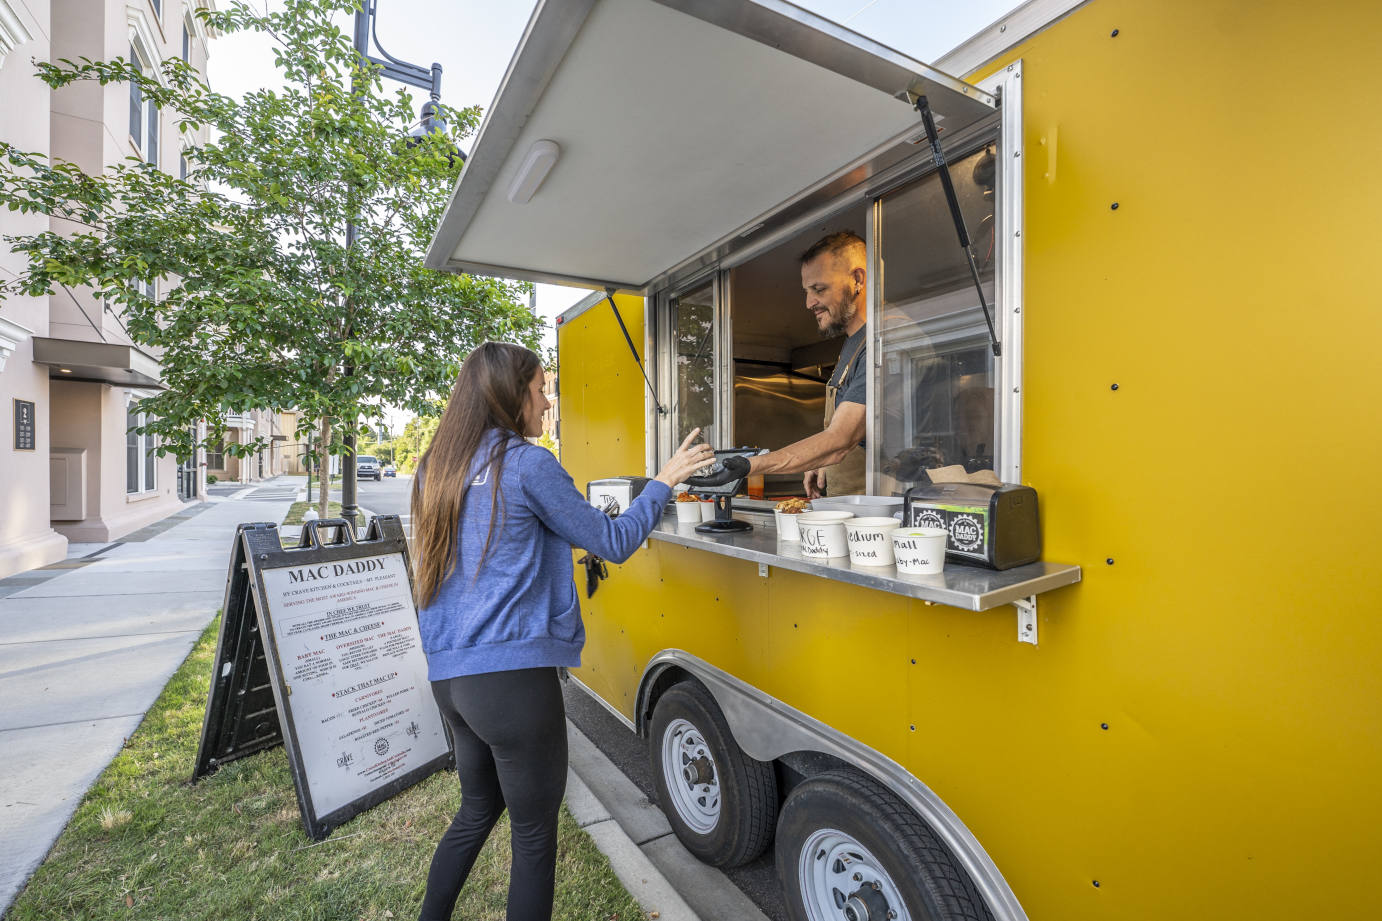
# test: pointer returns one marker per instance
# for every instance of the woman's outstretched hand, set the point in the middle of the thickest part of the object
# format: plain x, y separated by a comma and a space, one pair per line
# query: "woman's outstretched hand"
686, 461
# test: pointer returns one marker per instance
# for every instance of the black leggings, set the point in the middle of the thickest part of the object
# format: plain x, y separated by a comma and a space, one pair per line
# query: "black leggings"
510, 735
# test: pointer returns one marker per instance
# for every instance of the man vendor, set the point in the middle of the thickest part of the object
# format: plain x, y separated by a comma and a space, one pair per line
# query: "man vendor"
834, 276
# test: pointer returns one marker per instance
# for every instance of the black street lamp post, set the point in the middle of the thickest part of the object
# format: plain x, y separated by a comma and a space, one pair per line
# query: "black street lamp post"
413, 75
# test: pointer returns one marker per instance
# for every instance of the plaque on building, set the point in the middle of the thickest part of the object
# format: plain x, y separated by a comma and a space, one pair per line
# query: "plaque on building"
24, 425
319, 649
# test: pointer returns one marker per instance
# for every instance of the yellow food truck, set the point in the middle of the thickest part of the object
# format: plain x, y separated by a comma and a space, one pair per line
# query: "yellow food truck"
1174, 712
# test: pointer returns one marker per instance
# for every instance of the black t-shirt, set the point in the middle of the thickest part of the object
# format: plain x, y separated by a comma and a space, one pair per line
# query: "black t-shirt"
854, 389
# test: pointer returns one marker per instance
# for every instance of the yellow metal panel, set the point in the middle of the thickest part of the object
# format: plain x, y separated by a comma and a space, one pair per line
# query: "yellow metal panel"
1231, 644
600, 405
1226, 629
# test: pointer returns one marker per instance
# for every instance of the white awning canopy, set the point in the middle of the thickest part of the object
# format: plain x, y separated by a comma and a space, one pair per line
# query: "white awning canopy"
670, 126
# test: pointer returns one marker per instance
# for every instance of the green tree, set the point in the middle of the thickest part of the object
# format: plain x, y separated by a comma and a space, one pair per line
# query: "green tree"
266, 306
417, 436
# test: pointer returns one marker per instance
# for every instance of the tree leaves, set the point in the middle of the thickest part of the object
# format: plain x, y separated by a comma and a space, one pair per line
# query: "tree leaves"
261, 303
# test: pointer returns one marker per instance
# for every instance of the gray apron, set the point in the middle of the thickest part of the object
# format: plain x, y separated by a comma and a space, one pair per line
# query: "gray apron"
847, 477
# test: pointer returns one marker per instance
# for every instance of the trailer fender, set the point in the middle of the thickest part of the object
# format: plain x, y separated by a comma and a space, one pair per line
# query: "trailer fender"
768, 729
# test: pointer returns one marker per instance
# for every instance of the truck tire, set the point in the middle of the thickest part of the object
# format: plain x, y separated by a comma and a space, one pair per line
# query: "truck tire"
848, 850
720, 802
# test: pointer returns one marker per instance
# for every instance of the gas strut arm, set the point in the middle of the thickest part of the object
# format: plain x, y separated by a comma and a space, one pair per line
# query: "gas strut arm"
929, 122
609, 296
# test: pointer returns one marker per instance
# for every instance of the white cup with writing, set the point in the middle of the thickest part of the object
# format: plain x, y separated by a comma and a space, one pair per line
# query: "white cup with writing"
920, 551
870, 540
823, 534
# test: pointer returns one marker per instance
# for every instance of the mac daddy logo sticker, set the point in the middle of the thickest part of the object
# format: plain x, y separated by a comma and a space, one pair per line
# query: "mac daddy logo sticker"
966, 532
928, 518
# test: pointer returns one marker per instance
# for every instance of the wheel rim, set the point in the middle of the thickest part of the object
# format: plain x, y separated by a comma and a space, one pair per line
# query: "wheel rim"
842, 881
691, 777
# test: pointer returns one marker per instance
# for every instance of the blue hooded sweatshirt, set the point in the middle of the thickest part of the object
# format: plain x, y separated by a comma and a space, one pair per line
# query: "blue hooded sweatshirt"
518, 608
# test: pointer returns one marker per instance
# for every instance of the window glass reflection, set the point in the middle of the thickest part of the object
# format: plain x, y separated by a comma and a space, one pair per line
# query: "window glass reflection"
938, 372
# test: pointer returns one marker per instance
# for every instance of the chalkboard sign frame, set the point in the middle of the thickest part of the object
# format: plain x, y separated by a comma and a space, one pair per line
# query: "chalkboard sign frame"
247, 659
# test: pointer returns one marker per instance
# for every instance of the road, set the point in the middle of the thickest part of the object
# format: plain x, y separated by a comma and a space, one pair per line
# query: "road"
389, 496
757, 880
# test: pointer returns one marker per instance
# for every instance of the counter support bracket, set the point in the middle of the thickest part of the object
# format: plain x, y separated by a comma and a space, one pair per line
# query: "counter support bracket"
1026, 619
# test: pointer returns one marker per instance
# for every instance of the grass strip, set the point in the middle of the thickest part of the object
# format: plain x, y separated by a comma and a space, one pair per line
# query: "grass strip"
147, 844
298, 509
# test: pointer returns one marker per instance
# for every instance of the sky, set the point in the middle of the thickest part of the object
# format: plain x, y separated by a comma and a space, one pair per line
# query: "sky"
474, 40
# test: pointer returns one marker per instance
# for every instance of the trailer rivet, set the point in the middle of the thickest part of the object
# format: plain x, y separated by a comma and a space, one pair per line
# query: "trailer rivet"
1109, 561
1096, 884
1103, 726
1113, 34
914, 661
263, 556
1114, 206
858, 877
1113, 387
914, 728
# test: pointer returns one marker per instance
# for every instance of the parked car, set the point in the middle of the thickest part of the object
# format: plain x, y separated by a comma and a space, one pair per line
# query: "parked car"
367, 468
390, 470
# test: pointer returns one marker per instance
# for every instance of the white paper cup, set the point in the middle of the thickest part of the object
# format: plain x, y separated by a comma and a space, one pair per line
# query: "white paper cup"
870, 540
688, 512
920, 551
707, 510
823, 534
787, 525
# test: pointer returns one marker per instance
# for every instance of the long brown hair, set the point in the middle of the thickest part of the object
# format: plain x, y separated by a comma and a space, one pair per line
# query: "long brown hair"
490, 393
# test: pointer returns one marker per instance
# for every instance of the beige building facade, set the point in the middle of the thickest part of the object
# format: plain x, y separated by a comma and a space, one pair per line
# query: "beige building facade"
70, 468
282, 453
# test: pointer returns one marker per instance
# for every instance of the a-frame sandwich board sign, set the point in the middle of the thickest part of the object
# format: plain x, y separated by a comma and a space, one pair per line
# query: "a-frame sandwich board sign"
319, 649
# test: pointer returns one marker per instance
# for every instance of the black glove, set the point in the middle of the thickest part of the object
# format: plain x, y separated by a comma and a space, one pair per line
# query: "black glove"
595, 570
728, 470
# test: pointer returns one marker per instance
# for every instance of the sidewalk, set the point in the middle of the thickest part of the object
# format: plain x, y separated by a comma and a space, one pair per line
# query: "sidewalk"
86, 646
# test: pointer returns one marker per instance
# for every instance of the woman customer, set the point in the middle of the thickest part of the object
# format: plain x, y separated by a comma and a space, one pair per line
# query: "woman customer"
494, 521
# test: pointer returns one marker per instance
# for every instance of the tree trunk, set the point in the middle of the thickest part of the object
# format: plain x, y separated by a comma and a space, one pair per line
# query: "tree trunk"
324, 467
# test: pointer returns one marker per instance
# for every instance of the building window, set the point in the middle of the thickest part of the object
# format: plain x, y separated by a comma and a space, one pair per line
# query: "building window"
182, 167
143, 113
158, 7
136, 103
216, 456
186, 43
139, 454
132, 453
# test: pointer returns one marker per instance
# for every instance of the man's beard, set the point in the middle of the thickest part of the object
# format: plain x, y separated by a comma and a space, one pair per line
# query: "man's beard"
837, 324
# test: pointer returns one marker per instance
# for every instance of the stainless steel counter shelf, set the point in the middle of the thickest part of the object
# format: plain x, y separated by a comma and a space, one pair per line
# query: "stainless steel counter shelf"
973, 588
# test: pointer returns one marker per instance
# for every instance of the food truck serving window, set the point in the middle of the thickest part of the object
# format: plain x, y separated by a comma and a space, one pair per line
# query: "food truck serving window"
937, 376
693, 333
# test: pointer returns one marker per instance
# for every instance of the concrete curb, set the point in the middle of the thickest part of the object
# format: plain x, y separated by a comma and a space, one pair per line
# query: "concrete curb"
644, 882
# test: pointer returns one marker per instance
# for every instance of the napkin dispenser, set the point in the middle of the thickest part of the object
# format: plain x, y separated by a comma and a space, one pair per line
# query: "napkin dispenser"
993, 526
